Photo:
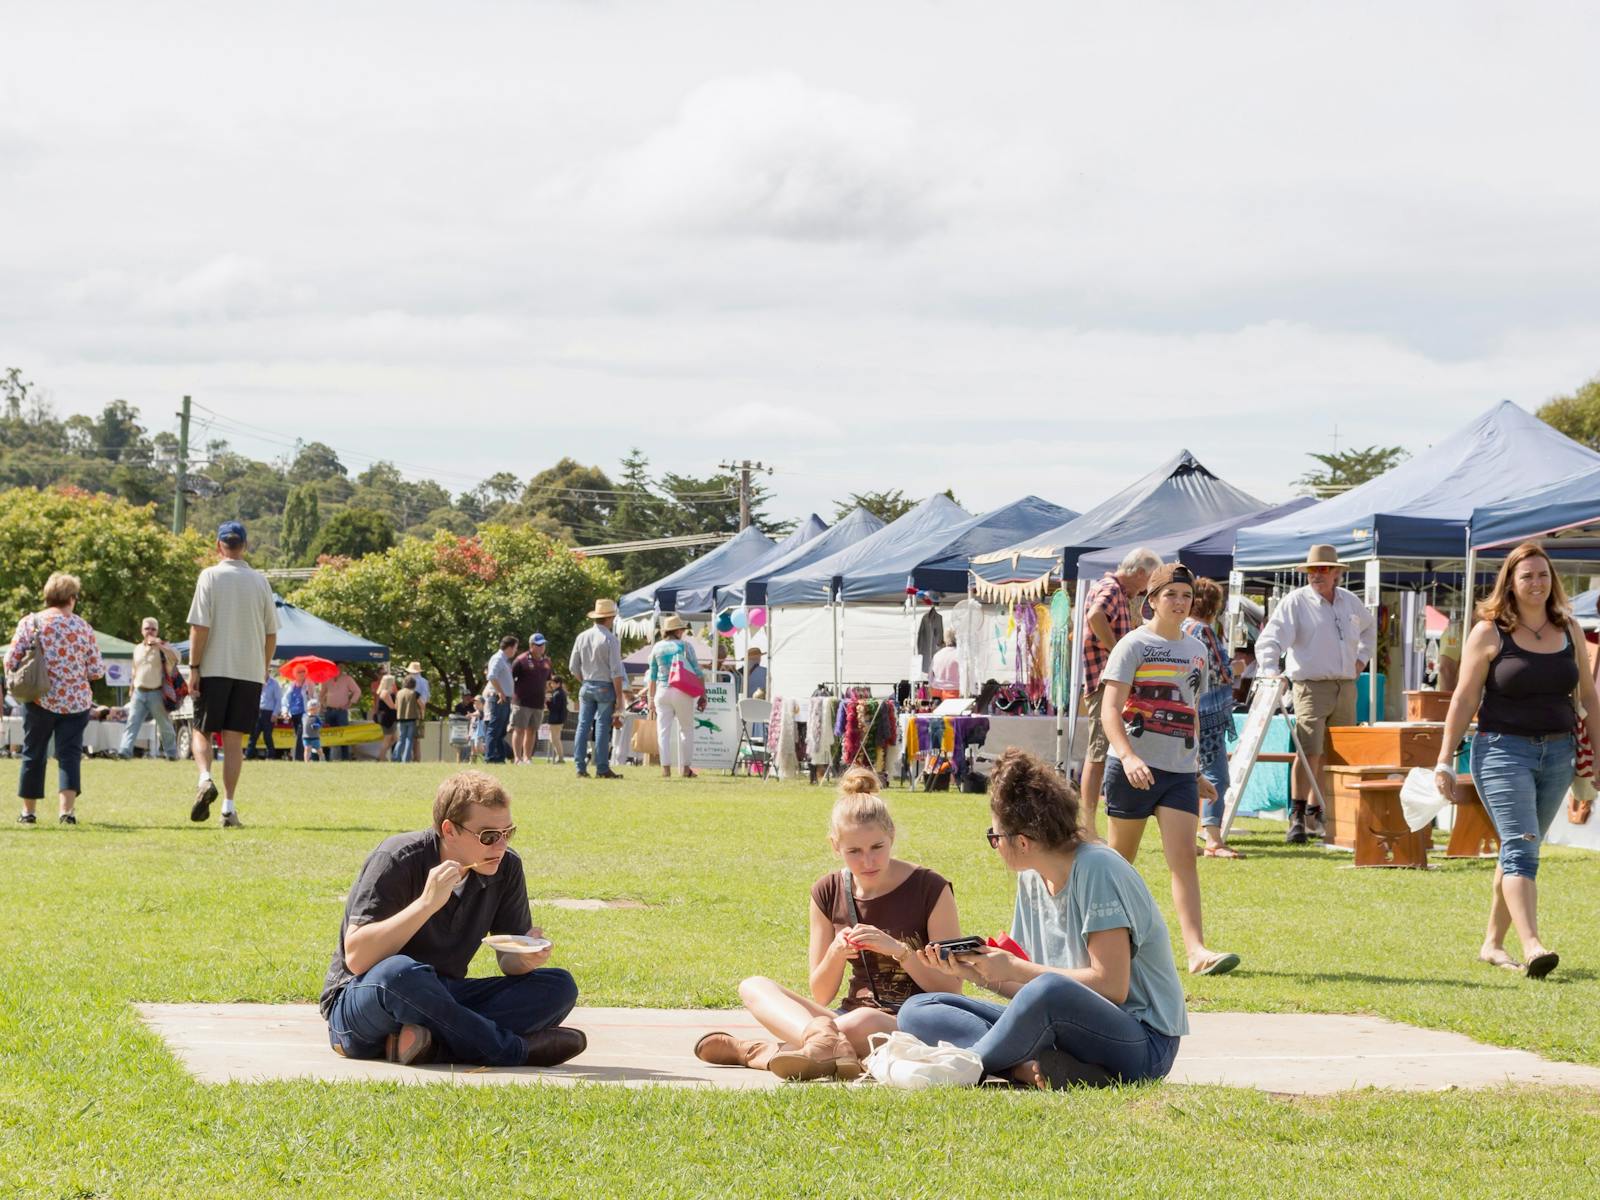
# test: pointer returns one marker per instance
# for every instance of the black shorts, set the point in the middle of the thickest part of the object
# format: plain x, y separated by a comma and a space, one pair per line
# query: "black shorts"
1172, 789
227, 705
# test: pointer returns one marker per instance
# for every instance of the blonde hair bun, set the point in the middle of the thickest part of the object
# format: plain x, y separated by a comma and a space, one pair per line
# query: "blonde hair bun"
859, 804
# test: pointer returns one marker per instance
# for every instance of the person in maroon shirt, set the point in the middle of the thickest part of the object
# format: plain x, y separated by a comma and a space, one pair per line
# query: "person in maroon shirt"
530, 675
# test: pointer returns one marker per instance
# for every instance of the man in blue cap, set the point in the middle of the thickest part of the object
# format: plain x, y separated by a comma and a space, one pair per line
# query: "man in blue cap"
530, 676
233, 630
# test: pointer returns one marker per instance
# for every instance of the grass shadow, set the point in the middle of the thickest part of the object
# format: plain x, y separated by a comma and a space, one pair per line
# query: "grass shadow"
1365, 977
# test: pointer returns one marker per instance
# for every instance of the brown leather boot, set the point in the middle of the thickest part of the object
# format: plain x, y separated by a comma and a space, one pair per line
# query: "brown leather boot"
823, 1053
725, 1050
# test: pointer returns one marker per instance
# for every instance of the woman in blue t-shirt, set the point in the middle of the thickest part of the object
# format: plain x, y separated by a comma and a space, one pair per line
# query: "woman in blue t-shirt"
1097, 998
673, 708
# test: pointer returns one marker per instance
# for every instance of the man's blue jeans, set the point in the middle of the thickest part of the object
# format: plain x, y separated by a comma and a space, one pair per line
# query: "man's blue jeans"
472, 1020
495, 736
1522, 781
596, 703
147, 706
335, 717
1049, 1011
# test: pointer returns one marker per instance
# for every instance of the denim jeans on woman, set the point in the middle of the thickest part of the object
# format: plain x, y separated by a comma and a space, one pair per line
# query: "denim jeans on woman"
1049, 1011
1216, 720
1522, 782
405, 739
597, 700
39, 724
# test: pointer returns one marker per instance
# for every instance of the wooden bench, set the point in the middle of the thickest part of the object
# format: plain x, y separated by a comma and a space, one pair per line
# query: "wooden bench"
1382, 838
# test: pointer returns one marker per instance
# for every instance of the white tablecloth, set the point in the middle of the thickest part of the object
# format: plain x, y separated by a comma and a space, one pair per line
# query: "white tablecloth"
99, 737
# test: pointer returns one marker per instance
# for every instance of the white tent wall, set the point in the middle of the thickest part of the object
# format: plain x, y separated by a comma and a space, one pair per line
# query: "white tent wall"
801, 650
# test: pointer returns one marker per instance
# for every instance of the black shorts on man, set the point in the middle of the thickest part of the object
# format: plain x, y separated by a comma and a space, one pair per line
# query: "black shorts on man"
226, 705
1172, 789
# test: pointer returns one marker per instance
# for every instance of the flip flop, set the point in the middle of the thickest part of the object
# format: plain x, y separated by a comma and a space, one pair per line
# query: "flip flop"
1541, 965
1220, 965
1221, 852
1506, 964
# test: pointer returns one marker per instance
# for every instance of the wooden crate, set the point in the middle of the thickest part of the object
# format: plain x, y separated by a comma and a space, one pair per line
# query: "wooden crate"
1343, 815
1382, 839
1414, 744
1427, 706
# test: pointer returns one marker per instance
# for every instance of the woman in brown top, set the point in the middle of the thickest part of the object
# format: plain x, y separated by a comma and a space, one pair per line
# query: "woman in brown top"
899, 907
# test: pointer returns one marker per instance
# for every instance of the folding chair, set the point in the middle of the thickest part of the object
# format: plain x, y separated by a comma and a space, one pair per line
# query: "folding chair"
752, 751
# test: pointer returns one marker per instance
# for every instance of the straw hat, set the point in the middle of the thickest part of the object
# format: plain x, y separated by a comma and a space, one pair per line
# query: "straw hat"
413, 667
1322, 556
673, 623
603, 609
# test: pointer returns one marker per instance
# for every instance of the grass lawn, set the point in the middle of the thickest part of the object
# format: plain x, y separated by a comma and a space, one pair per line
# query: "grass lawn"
136, 904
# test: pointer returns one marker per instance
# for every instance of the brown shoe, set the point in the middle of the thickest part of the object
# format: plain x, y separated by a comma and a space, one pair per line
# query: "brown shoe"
823, 1053
725, 1050
551, 1047
413, 1044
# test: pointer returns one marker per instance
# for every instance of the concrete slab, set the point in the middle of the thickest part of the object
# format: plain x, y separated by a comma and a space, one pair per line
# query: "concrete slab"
1287, 1053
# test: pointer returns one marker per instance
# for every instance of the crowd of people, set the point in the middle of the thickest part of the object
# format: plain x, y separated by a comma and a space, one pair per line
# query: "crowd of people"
1087, 966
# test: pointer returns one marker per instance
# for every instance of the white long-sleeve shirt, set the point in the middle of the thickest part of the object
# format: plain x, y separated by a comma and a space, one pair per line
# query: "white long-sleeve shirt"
1322, 640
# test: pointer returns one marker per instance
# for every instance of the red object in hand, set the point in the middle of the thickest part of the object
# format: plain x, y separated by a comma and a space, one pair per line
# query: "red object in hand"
1010, 947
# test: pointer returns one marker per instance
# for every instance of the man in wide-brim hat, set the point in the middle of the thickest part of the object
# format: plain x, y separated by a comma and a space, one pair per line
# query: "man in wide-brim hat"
1322, 637
596, 662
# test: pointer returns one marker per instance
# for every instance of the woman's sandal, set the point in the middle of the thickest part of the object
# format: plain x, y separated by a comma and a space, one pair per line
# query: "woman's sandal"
1507, 963
1219, 964
1221, 852
1541, 965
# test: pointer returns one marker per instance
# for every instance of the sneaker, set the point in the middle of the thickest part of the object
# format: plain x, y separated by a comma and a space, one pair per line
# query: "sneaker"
607, 775
1297, 833
66, 819
27, 819
413, 1044
1314, 825
231, 821
204, 794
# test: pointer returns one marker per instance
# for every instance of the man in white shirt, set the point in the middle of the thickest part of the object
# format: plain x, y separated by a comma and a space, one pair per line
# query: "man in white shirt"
233, 630
944, 673
1327, 635
596, 662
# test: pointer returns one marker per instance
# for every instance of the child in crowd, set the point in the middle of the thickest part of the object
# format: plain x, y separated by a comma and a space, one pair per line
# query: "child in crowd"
1154, 680
872, 918
311, 729
479, 728
555, 719
1096, 998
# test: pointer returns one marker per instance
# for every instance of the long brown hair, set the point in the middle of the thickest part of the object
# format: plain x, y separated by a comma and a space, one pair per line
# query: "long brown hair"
1501, 604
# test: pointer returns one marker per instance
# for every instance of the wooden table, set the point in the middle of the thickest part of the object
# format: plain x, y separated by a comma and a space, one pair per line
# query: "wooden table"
1382, 838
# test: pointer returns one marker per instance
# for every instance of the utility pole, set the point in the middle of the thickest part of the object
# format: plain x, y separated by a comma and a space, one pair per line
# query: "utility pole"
744, 468
180, 501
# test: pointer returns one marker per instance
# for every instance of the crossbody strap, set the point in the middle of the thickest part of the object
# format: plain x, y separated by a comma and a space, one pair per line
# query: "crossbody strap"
855, 919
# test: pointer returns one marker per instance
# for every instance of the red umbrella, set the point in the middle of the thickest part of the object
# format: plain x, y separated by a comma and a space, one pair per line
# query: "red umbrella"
318, 670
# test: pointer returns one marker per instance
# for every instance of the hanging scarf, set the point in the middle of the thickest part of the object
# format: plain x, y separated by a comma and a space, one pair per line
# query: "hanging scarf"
1060, 648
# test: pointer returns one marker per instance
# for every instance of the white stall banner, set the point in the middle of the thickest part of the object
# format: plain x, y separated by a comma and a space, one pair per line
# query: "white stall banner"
118, 673
716, 727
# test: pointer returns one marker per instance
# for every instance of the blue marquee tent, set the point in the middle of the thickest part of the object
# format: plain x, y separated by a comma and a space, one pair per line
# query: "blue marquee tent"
1567, 510
1206, 550
752, 588
689, 589
1180, 494
301, 633
1028, 517
1421, 508
875, 567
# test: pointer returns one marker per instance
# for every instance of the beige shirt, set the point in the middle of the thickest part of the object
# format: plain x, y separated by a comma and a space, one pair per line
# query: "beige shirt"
234, 601
151, 665
340, 693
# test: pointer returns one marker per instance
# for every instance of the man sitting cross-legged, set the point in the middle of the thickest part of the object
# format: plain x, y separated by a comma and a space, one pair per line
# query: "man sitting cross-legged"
398, 989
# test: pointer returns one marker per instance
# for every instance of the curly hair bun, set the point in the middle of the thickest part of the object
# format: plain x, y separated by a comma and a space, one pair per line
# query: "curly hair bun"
1029, 796
859, 781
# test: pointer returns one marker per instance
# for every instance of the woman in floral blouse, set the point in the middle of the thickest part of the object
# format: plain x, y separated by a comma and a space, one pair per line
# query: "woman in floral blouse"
72, 659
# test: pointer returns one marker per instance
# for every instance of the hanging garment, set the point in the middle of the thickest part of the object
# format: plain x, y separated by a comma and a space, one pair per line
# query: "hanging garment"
971, 629
784, 752
930, 637
1060, 648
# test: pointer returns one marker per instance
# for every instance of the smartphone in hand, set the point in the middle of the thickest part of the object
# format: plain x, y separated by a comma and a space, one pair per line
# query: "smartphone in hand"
960, 945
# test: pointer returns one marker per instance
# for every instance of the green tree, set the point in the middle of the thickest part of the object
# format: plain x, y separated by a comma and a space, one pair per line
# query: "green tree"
1577, 415
130, 565
354, 533
301, 521
448, 601
316, 461
576, 500
1345, 469
888, 505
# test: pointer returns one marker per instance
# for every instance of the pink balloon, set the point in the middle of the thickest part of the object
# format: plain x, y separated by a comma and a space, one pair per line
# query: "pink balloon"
758, 618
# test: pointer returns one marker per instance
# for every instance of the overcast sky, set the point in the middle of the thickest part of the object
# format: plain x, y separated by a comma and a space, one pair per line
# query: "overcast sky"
1000, 247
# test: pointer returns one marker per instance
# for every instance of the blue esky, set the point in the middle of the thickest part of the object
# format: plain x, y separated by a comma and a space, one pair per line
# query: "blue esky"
1004, 248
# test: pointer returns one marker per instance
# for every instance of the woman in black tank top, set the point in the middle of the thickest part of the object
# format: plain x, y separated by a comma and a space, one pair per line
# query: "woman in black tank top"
1520, 666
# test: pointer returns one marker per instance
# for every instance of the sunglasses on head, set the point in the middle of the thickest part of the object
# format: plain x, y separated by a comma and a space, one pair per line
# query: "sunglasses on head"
491, 837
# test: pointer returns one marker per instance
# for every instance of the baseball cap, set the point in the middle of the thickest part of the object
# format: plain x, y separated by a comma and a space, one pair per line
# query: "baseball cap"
536, 640
231, 533
1168, 573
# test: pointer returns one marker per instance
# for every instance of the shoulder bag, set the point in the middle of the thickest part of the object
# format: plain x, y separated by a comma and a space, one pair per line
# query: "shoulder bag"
681, 677
849, 885
31, 680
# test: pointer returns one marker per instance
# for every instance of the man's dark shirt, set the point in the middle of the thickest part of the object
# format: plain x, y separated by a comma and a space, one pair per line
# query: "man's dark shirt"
529, 678
395, 874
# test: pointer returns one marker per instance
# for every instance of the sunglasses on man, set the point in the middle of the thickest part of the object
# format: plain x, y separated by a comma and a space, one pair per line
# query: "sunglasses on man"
491, 837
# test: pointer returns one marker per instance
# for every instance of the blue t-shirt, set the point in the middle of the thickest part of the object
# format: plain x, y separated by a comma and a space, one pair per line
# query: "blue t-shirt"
1104, 892
666, 652
311, 728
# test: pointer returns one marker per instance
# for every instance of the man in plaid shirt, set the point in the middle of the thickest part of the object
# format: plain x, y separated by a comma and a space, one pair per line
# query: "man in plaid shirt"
1108, 618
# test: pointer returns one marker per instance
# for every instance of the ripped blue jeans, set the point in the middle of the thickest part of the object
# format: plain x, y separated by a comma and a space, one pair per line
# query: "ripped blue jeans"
1522, 782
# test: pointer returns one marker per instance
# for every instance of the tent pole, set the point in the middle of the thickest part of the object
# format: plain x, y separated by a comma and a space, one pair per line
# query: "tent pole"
1373, 715
1076, 683
1468, 588
838, 603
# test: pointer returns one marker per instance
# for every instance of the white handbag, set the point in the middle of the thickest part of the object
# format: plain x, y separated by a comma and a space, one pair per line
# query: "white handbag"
903, 1061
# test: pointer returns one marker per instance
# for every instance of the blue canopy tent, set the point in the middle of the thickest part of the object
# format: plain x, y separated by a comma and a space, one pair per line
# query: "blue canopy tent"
730, 593
688, 590
752, 589
299, 632
1180, 494
1566, 513
1420, 509
1206, 549
950, 569
876, 566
